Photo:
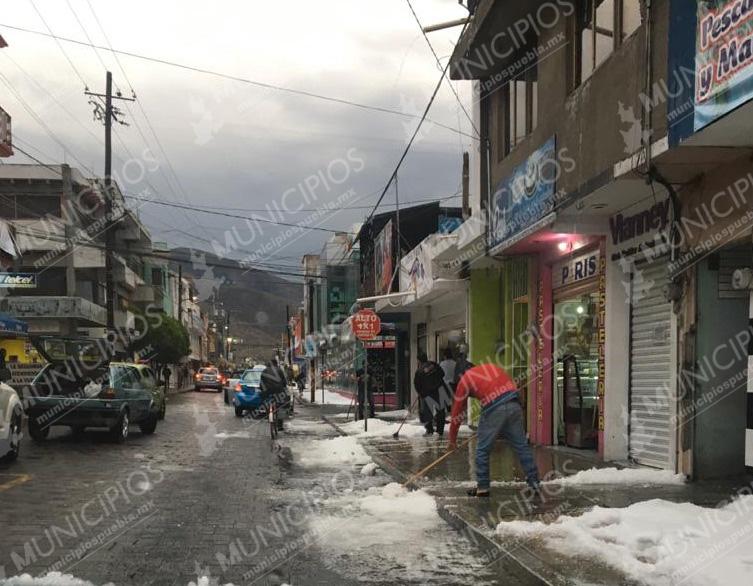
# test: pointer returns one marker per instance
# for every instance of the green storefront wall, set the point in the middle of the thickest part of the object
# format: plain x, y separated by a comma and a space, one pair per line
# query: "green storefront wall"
498, 318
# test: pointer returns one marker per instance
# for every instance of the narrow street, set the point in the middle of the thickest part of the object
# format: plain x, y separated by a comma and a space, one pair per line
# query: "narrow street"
209, 497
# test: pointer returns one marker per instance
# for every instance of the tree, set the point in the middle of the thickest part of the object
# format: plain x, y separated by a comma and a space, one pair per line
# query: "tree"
165, 340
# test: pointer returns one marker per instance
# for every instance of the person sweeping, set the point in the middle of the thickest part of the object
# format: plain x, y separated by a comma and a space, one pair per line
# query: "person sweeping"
501, 415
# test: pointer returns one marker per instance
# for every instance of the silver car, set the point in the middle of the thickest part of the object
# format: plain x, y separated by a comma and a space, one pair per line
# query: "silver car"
208, 378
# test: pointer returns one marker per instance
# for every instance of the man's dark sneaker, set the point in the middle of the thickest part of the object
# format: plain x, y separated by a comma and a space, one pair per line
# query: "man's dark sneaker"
428, 432
478, 493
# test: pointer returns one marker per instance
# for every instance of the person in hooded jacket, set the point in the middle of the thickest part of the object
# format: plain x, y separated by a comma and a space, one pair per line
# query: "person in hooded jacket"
435, 397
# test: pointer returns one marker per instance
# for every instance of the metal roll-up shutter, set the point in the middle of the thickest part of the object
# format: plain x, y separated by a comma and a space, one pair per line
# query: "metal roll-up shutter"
651, 368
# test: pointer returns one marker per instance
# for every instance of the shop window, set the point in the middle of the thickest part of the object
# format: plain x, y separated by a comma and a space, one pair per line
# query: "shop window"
600, 27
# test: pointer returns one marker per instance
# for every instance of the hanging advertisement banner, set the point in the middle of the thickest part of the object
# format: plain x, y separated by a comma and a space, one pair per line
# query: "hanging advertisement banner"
383, 261
6, 142
416, 271
724, 58
525, 197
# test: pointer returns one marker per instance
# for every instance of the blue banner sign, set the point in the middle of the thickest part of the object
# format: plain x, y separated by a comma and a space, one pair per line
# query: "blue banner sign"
724, 58
524, 197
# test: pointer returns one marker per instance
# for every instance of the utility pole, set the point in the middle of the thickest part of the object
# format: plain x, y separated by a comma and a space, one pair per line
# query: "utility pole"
288, 350
180, 293
107, 114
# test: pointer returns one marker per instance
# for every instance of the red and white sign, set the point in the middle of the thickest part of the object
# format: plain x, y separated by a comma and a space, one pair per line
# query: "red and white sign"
366, 324
6, 144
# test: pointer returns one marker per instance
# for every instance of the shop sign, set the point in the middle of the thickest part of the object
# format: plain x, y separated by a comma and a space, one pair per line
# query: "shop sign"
18, 280
724, 58
524, 197
381, 343
383, 262
574, 270
650, 223
366, 324
601, 387
448, 224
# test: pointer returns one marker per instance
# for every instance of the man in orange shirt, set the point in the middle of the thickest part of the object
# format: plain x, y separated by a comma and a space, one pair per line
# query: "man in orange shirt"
501, 414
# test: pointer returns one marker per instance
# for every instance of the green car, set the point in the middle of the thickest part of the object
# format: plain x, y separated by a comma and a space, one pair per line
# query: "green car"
78, 388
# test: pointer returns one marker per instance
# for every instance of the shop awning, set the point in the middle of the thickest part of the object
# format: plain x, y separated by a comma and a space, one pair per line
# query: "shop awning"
541, 224
12, 325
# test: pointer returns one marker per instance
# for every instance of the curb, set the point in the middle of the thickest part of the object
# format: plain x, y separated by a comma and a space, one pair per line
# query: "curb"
488, 547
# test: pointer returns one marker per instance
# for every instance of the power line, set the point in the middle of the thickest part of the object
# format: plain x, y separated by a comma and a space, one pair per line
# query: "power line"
230, 77
143, 112
169, 256
234, 216
410, 142
302, 210
57, 42
439, 64
38, 119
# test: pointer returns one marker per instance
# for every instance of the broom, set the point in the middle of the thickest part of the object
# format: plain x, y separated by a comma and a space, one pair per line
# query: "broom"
411, 481
397, 433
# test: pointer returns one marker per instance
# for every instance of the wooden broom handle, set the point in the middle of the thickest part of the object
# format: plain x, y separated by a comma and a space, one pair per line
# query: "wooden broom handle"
439, 460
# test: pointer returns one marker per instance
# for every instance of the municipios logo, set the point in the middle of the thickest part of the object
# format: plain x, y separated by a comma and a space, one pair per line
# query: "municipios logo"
408, 106
634, 137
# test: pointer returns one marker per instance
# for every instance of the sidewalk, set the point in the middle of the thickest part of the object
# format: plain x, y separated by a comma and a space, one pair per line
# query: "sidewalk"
478, 518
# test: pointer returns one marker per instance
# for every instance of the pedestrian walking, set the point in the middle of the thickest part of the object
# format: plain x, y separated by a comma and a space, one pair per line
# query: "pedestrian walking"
365, 384
435, 396
462, 364
448, 367
501, 415
166, 376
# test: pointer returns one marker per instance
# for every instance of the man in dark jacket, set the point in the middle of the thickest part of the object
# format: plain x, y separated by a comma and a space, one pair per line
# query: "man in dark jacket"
274, 389
435, 397
462, 365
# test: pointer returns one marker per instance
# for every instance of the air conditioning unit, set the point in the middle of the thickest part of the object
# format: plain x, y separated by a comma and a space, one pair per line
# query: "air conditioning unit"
742, 279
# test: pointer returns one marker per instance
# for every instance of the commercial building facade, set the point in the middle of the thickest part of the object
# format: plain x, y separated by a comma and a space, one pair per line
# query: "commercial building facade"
598, 159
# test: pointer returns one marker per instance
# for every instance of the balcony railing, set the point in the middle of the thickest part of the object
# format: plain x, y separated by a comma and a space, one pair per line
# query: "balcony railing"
28, 307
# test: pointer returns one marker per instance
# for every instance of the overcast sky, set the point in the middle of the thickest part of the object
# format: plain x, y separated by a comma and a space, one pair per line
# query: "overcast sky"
232, 144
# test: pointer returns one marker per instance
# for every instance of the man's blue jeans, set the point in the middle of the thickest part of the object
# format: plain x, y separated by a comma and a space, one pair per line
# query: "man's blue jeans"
503, 419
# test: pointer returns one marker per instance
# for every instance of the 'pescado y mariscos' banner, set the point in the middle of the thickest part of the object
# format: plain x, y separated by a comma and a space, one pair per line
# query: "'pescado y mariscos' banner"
724, 58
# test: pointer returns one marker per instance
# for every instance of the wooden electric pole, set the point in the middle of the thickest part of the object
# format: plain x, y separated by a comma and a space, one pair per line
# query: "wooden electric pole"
107, 114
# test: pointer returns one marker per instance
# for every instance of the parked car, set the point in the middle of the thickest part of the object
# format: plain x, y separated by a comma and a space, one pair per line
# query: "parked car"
247, 392
11, 419
208, 378
79, 389
230, 382
151, 382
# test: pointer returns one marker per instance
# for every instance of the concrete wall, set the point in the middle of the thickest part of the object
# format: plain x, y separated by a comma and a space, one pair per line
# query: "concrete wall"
587, 120
617, 363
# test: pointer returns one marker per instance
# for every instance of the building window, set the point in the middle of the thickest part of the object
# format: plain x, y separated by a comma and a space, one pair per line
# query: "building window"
31, 207
601, 27
520, 110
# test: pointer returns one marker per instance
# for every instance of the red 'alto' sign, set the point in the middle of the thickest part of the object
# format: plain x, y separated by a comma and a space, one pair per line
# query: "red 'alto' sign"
366, 324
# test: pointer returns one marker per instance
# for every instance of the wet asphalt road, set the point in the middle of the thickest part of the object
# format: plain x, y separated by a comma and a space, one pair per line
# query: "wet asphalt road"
209, 496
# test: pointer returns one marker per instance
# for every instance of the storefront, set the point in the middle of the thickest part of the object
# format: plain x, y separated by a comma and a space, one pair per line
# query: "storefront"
383, 364
642, 331
577, 349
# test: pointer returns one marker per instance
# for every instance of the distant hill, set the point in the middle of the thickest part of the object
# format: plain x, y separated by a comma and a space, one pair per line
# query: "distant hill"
256, 299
